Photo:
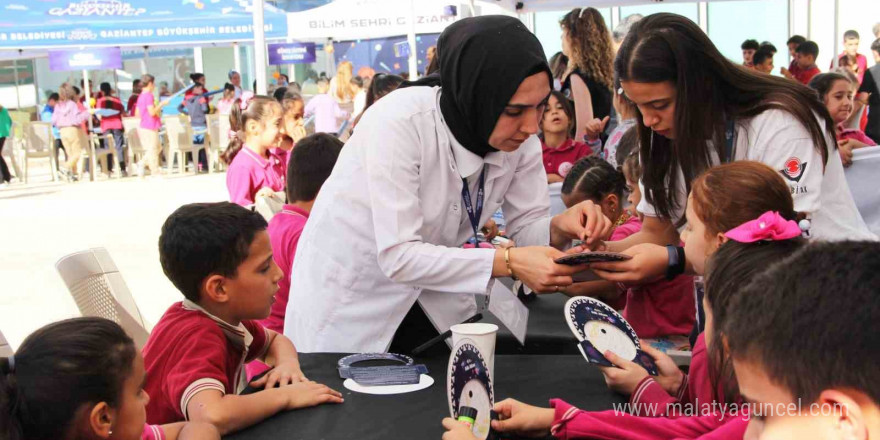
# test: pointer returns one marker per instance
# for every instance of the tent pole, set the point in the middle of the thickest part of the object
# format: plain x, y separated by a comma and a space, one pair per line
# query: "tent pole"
91, 146
259, 48
236, 58
15, 75
411, 41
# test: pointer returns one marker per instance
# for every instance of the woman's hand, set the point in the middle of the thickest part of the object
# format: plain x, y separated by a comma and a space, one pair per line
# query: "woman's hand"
648, 263
523, 420
584, 221
554, 178
535, 267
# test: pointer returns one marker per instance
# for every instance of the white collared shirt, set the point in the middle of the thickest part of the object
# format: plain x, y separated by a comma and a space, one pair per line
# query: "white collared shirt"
389, 223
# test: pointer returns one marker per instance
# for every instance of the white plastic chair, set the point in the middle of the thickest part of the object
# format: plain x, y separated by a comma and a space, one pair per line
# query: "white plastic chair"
132, 141
180, 142
5, 348
215, 141
99, 290
13, 147
223, 128
93, 147
39, 144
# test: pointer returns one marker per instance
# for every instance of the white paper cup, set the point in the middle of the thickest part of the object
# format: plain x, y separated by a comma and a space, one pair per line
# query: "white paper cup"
483, 335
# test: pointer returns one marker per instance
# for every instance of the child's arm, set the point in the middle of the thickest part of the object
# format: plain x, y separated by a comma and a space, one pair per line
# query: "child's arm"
281, 354
231, 412
603, 290
189, 431
625, 376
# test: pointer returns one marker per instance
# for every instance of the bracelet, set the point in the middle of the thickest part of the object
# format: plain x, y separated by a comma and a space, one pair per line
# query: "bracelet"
507, 262
676, 263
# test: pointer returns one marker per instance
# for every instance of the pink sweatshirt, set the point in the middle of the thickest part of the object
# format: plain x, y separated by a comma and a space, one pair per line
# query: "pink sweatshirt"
249, 172
570, 422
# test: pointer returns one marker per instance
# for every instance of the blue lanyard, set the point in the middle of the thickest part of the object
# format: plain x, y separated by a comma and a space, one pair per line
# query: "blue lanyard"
474, 215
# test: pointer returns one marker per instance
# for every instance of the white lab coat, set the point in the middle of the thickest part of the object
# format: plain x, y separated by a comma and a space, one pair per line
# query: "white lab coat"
388, 225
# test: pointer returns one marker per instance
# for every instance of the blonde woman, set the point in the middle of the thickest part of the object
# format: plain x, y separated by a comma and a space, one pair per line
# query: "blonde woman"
588, 79
68, 117
340, 86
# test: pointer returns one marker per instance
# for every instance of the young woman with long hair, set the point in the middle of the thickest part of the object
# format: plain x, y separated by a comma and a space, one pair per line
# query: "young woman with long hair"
697, 109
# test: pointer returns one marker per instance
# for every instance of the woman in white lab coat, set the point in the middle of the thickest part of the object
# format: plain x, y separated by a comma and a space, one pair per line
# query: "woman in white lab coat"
388, 226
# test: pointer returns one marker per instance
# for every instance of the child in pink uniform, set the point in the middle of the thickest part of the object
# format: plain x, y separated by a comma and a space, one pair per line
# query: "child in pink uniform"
310, 165
97, 369
255, 161
730, 269
659, 308
836, 90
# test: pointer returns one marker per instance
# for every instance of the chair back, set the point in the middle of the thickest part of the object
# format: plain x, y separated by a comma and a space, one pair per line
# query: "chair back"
99, 290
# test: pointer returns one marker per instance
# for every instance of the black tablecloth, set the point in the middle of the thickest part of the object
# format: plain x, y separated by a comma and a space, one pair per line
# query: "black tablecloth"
547, 332
531, 379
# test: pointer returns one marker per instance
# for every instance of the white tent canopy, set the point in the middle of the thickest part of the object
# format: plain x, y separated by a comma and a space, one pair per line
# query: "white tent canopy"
524, 6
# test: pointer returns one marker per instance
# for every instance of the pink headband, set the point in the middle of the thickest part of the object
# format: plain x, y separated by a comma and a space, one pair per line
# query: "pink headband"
770, 226
246, 98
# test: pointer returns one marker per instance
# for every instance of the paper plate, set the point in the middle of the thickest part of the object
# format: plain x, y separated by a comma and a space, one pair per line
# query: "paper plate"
469, 383
599, 328
425, 381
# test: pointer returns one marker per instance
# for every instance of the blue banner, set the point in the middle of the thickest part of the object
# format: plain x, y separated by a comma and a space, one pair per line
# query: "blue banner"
86, 59
57, 23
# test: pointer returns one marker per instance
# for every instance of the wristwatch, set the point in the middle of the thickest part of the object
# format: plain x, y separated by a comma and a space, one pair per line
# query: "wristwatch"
675, 264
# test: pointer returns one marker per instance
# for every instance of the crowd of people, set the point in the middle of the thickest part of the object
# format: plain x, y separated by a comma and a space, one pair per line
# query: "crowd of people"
724, 184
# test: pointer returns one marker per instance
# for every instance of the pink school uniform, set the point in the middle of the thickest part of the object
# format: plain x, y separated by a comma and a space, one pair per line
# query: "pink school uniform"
570, 422
284, 232
654, 414
660, 308
695, 389
249, 172
629, 227
859, 135
148, 121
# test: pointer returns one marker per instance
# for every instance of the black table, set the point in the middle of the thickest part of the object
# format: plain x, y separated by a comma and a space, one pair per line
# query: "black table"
532, 379
547, 332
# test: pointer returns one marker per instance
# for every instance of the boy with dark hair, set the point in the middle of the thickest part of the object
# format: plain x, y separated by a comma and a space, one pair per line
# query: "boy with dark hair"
768, 47
807, 53
869, 95
749, 47
218, 255
802, 340
763, 61
850, 56
310, 164
792, 44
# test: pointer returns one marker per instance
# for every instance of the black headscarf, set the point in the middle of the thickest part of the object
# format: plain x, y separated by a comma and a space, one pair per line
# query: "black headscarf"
483, 60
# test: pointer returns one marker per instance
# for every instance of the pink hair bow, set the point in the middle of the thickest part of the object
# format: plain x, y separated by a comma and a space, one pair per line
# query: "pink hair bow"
246, 98
770, 226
